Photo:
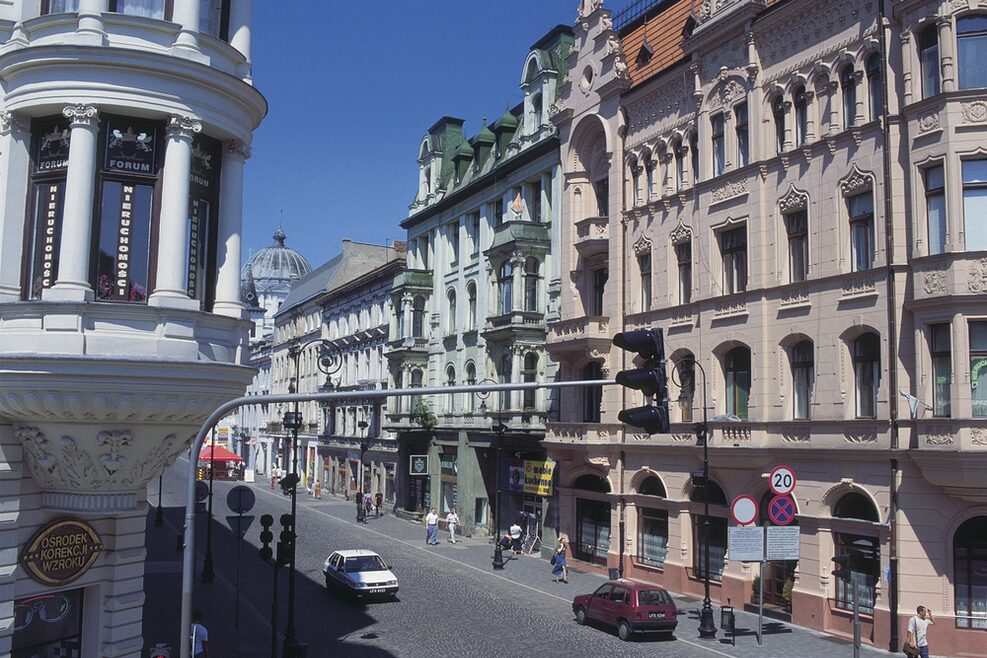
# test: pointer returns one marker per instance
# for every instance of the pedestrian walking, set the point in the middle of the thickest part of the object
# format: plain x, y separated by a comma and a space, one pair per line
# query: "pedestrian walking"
453, 520
516, 538
431, 527
918, 628
559, 569
199, 636
318, 489
368, 503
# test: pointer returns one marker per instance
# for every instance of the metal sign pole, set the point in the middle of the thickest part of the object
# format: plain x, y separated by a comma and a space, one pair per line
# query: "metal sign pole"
760, 605
855, 588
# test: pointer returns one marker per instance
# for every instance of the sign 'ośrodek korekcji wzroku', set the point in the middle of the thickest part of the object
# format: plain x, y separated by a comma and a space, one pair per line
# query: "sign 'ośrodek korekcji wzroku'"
61, 552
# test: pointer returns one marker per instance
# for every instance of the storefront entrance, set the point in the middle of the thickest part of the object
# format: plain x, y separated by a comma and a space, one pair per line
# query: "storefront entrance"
592, 531
48, 625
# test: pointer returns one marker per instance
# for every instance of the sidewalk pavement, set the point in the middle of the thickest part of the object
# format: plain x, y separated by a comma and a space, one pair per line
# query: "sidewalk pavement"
252, 637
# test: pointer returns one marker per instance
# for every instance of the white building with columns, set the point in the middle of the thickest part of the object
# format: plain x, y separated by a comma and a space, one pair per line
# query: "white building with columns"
123, 136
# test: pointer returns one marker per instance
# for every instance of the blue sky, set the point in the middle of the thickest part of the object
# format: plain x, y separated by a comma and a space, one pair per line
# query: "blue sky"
352, 88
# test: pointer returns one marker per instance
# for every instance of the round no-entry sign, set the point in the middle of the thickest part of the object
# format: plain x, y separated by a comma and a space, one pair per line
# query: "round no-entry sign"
781, 510
743, 510
782, 480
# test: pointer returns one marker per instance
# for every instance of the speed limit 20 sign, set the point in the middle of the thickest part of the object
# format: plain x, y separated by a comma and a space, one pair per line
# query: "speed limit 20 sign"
782, 480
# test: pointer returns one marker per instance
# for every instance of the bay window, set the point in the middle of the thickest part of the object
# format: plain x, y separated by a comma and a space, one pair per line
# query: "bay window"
928, 53
942, 369
505, 283
971, 47
978, 368
975, 204
935, 208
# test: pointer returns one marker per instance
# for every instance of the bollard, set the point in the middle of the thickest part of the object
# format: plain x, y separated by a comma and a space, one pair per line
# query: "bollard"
498, 557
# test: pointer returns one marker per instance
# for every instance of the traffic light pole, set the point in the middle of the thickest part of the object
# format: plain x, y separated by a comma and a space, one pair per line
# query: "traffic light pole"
224, 409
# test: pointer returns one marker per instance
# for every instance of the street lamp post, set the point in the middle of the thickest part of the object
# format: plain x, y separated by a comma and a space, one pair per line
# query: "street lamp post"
207, 567
361, 511
707, 627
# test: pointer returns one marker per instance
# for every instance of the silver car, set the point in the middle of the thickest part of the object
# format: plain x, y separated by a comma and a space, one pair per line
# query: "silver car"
361, 573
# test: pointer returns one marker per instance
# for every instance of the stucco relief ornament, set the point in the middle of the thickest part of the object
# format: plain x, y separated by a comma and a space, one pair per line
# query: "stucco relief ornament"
556, 108
620, 68
928, 122
978, 436
935, 282
606, 23
643, 246
239, 147
977, 278
680, 234
974, 112
41, 462
613, 44
793, 201
184, 126
856, 183
587, 7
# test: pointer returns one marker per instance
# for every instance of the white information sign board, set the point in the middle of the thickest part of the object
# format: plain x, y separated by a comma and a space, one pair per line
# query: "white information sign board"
782, 543
745, 543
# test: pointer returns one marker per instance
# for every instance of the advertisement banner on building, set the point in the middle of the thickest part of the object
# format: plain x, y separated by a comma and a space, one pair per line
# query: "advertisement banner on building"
539, 477
515, 475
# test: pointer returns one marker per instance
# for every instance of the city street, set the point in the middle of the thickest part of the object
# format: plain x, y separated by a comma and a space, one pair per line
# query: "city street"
451, 601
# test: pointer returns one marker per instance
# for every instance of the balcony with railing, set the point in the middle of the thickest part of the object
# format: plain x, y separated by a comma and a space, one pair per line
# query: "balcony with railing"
592, 236
580, 335
514, 324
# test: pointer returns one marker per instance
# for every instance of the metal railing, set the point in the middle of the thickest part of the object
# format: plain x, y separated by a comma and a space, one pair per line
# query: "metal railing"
632, 12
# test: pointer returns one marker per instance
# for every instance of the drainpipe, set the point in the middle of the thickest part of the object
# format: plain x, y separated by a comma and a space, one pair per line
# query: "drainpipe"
892, 339
620, 521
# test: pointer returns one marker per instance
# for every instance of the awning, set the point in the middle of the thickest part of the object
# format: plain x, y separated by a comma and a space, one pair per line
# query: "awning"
221, 454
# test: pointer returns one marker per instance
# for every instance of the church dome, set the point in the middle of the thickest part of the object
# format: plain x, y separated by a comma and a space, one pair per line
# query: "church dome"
276, 262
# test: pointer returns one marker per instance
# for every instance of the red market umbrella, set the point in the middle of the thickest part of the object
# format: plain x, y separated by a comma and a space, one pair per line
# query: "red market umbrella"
221, 454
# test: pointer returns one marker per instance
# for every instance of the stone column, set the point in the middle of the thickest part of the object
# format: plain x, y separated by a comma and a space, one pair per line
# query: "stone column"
186, 14
906, 67
789, 121
230, 230
406, 301
517, 281
241, 20
945, 24
15, 162
835, 107
170, 284
516, 396
860, 82
72, 281
90, 30
546, 198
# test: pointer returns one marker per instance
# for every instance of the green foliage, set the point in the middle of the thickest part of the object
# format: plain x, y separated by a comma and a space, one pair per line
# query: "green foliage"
786, 591
422, 414
755, 588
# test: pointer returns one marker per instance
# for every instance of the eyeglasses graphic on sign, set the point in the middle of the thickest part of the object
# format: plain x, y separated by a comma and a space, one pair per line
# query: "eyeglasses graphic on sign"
419, 465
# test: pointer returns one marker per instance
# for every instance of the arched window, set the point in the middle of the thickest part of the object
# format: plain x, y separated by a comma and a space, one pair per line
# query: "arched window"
801, 116
649, 177
470, 381
530, 374
505, 282
451, 381
875, 85
848, 82
717, 533
652, 486
679, 152
635, 182
855, 505
592, 395
591, 482
652, 525
451, 312
928, 54
971, 46
737, 368
416, 382
867, 374
803, 377
471, 301
778, 114
531, 284
536, 108
418, 317
969, 569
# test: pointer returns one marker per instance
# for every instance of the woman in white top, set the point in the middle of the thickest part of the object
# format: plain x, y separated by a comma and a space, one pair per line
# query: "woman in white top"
453, 520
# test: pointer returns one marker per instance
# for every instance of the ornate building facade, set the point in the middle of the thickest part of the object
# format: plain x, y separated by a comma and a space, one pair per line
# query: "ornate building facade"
124, 136
481, 284
798, 189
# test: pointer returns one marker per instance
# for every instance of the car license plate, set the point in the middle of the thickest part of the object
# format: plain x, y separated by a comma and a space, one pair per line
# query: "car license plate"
656, 615
380, 590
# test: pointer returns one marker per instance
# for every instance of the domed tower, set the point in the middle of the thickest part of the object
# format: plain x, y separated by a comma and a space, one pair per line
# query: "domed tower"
124, 127
272, 269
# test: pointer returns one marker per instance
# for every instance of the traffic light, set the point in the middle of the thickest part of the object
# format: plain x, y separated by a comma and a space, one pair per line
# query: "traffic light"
650, 379
289, 481
287, 538
266, 536
842, 569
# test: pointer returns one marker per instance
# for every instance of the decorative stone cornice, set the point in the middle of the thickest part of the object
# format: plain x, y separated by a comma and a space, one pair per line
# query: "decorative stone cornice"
81, 115
793, 201
643, 246
237, 147
183, 126
680, 234
856, 182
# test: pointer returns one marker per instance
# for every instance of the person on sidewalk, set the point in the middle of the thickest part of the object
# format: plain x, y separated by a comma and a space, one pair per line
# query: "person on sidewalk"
432, 528
378, 502
516, 538
453, 520
918, 628
199, 636
559, 562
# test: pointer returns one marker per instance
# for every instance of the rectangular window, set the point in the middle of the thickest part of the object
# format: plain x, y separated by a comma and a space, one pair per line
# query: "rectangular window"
717, 547
536, 205
866, 547
928, 47
683, 254
733, 250
124, 242
600, 277
652, 536
743, 135
214, 18
452, 235
602, 190
474, 224
498, 212
719, 146
644, 263
796, 225
146, 8
861, 210
59, 6
935, 208
975, 204
942, 369
978, 368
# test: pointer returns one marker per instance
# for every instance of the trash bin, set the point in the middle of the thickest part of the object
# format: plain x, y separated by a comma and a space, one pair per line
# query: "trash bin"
726, 617
614, 573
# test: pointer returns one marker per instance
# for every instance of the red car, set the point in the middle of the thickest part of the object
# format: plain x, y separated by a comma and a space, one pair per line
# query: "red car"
631, 607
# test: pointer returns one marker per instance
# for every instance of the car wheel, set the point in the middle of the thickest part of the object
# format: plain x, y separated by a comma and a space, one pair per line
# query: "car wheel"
580, 616
624, 631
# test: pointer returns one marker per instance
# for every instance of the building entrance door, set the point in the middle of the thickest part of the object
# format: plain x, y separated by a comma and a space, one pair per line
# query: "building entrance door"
532, 514
779, 577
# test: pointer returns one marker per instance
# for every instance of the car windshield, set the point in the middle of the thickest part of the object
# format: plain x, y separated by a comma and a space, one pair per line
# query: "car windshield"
653, 597
364, 563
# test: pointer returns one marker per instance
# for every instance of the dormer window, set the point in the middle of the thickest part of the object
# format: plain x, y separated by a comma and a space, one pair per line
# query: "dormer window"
536, 112
644, 55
